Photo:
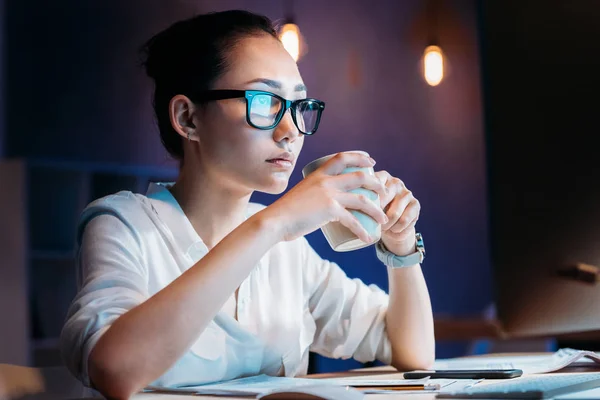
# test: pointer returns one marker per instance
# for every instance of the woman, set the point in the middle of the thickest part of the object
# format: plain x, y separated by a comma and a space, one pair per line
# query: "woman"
192, 283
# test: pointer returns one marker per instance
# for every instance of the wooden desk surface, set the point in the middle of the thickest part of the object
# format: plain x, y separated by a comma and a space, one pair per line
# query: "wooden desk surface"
57, 383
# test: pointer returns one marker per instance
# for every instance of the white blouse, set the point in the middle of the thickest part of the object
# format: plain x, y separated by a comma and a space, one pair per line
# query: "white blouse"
131, 246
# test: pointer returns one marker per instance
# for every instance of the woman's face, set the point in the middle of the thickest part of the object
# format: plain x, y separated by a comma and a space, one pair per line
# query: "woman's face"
230, 150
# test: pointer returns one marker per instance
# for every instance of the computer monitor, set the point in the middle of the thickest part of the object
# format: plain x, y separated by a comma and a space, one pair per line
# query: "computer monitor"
541, 83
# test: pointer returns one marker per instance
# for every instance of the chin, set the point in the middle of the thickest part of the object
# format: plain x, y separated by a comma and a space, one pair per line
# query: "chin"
275, 186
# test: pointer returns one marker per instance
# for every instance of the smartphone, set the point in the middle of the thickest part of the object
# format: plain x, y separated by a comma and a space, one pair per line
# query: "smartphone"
465, 374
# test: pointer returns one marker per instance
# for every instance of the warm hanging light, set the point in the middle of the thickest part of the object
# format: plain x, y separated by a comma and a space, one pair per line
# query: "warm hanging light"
290, 37
289, 33
433, 65
433, 57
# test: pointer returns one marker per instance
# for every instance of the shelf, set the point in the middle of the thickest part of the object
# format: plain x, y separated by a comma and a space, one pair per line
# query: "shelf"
39, 225
46, 352
465, 328
168, 171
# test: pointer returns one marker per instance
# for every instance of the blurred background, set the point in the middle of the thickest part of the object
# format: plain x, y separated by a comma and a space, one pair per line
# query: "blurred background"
76, 123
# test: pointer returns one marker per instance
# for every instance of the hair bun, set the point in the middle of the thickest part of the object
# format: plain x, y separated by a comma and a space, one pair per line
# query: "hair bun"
159, 53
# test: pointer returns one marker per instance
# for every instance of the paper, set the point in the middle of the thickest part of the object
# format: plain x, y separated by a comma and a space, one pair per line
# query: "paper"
327, 392
250, 386
446, 386
529, 364
426, 383
264, 384
590, 394
443, 386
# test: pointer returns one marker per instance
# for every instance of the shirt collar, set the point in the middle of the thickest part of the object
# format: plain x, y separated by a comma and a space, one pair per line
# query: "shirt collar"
172, 215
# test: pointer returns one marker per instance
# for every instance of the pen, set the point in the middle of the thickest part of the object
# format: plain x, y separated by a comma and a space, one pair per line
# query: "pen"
403, 387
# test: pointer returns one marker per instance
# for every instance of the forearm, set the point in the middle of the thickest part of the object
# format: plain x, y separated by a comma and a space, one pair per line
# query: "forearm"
146, 341
409, 319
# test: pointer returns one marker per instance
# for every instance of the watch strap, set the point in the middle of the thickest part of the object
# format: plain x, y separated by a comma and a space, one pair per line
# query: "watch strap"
392, 260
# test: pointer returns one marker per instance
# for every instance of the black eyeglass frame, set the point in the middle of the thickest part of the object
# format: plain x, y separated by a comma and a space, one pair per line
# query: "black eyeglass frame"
224, 94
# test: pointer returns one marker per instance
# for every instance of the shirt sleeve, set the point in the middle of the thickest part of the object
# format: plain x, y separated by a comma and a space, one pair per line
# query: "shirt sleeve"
349, 315
111, 280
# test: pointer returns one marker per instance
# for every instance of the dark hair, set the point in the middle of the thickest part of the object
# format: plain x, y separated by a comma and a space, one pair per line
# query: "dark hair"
190, 55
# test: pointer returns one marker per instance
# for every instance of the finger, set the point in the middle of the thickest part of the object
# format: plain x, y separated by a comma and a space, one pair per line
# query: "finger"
359, 179
396, 185
383, 176
341, 161
388, 193
411, 212
399, 231
346, 218
393, 186
395, 210
362, 203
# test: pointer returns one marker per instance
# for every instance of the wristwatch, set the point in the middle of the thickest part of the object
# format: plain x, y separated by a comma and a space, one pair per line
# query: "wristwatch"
394, 261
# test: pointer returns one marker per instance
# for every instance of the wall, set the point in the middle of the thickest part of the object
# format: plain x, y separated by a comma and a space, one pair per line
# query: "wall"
74, 67
77, 94
2, 79
14, 331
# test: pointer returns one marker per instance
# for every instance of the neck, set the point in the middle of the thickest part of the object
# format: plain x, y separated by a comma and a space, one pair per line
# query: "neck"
213, 208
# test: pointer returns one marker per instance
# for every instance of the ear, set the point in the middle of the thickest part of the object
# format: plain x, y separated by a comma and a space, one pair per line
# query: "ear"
181, 114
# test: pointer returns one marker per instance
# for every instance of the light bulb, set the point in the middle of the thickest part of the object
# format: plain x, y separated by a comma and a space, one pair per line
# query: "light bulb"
290, 38
433, 65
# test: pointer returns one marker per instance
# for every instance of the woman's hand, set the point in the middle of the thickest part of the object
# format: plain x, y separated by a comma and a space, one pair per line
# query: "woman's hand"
324, 196
402, 210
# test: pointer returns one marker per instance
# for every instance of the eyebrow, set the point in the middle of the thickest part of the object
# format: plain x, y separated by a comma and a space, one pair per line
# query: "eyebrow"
277, 85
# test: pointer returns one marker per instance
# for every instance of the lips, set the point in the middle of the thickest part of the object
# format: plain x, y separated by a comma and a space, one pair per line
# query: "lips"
282, 159
281, 163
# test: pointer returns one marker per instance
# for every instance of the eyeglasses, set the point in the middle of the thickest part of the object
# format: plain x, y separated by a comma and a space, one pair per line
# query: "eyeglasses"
264, 110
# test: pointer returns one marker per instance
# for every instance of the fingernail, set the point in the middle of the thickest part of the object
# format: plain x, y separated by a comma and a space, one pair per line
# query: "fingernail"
373, 162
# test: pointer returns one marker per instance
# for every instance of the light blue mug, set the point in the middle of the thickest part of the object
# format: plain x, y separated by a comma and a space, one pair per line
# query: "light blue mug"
338, 236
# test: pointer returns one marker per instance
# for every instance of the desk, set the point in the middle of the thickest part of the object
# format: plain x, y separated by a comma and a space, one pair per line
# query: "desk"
56, 383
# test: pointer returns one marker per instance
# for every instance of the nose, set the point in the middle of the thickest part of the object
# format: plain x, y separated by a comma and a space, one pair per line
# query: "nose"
286, 129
